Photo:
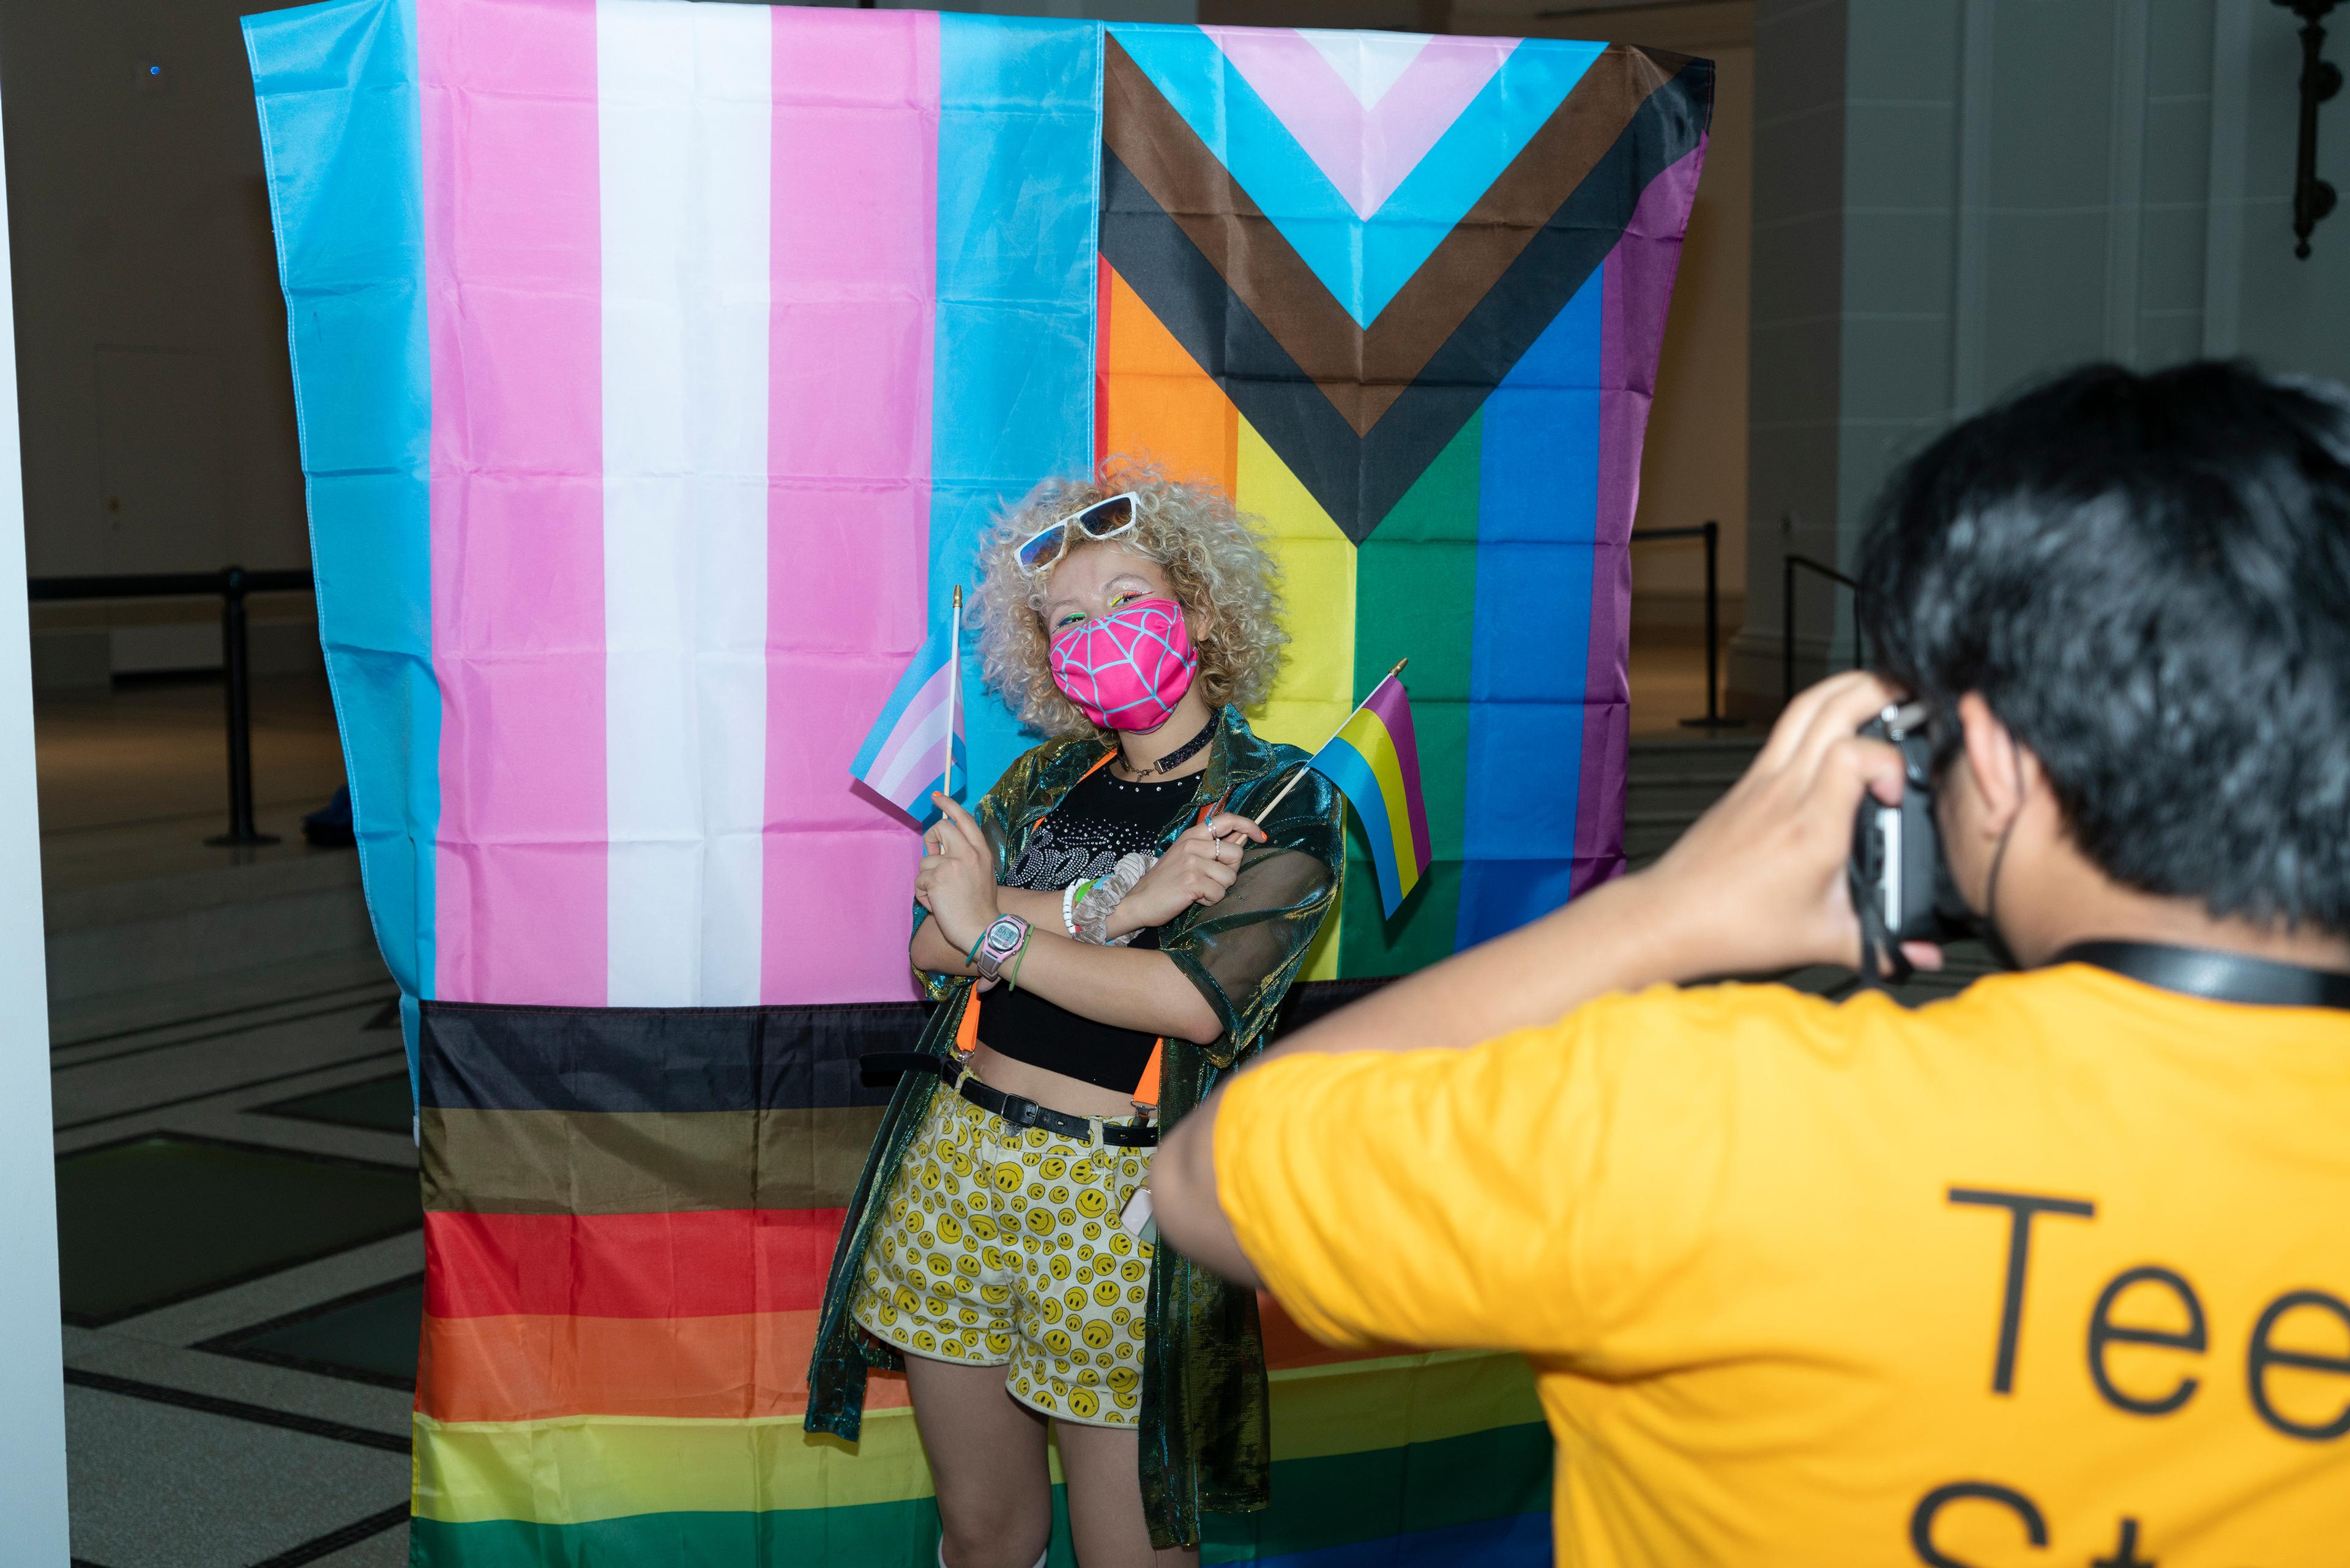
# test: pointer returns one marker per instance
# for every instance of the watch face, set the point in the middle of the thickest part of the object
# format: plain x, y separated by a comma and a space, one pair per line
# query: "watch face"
1005, 933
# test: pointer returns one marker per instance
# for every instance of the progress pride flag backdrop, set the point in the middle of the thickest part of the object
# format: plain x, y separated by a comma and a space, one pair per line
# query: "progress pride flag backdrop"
659, 366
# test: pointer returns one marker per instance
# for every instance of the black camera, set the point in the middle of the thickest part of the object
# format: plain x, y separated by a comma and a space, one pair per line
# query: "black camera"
1901, 886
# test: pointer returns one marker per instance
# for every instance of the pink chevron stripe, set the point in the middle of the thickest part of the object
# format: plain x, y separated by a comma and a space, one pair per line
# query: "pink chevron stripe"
854, 254
512, 278
1365, 152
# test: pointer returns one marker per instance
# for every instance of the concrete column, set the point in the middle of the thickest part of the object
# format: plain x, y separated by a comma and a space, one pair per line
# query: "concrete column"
1855, 208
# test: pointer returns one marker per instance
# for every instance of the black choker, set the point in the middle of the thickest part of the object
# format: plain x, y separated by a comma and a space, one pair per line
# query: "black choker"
1180, 755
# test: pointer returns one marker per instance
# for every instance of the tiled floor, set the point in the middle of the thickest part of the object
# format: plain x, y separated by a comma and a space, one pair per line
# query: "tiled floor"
183, 1450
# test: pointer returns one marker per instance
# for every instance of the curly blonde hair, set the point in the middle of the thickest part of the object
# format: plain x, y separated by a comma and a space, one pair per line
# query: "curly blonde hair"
1216, 561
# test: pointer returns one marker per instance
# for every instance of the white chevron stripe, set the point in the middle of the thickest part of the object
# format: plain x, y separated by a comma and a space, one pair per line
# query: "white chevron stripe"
1368, 63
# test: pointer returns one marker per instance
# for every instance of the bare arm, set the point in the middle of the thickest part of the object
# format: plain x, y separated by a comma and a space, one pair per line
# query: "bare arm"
929, 949
1756, 885
1617, 944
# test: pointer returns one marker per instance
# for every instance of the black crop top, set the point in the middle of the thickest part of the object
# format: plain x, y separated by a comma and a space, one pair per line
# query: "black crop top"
1099, 820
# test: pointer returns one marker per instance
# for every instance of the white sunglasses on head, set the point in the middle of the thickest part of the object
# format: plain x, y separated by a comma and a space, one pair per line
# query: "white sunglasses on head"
1103, 520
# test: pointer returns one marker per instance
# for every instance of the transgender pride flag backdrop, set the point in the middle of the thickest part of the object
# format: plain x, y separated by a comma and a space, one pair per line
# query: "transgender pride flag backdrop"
657, 365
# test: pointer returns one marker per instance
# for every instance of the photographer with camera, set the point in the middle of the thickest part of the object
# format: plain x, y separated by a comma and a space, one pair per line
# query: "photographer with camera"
2055, 1271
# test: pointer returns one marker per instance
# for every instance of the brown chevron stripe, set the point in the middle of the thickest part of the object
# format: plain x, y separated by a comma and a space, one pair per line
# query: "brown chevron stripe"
642, 1162
1364, 372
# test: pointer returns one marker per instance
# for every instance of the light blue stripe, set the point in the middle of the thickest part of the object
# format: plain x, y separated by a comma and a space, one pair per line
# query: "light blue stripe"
337, 89
1362, 264
1019, 221
928, 661
1348, 768
1537, 514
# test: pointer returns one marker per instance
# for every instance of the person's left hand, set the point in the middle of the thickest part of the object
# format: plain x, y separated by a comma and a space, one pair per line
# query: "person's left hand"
957, 880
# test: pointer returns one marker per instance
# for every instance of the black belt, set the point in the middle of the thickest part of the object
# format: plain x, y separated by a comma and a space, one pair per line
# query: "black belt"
1020, 1111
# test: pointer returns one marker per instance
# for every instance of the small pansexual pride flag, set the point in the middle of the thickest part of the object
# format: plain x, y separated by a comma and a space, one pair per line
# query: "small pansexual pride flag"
1375, 763
905, 757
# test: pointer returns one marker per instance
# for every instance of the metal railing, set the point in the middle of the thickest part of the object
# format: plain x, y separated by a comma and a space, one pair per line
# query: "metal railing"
1787, 619
231, 584
1711, 532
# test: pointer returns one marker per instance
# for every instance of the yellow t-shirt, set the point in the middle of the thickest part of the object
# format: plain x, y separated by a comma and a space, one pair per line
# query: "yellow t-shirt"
2056, 1272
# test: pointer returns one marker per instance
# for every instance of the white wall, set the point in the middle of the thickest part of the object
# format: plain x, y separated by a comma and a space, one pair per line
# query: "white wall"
1955, 197
151, 332
32, 1364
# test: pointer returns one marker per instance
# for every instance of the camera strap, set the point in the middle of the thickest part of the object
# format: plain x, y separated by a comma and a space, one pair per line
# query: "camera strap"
2214, 975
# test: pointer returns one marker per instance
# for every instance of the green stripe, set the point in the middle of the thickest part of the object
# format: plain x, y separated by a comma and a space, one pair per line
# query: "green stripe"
884, 1534
1415, 586
1316, 1503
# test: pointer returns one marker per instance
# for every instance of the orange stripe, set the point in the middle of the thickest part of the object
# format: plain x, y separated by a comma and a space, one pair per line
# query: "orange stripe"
538, 1367
1288, 1346
1155, 401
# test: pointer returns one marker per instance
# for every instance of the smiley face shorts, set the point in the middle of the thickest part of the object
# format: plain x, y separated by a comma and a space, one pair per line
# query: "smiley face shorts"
1001, 1247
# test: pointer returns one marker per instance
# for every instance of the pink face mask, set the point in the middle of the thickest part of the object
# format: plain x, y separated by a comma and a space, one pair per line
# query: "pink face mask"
1128, 670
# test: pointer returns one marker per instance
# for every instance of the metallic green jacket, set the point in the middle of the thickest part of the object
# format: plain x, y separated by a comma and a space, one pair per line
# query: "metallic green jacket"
1206, 1437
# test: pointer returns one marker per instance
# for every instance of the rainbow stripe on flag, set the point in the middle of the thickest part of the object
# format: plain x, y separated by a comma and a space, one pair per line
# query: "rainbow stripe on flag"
628, 1223
905, 756
1375, 762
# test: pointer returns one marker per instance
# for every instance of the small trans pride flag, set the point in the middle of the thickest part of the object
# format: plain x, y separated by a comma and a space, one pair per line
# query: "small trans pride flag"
905, 756
1375, 762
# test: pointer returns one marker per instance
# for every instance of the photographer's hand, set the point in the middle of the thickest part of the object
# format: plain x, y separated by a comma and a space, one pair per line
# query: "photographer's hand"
1757, 883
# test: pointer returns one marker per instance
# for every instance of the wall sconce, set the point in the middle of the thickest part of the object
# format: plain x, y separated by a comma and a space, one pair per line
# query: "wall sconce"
2313, 198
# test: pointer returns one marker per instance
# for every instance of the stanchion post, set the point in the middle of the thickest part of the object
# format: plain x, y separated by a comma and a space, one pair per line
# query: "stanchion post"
1786, 629
237, 675
1711, 534
1712, 621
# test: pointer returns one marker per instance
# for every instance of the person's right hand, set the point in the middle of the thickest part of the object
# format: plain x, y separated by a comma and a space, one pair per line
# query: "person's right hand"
1757, 884
1198, 869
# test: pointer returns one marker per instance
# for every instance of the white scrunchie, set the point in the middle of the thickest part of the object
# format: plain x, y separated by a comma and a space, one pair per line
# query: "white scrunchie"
1093, 910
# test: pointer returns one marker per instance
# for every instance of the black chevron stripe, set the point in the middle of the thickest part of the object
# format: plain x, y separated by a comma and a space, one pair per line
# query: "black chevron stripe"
1358, 480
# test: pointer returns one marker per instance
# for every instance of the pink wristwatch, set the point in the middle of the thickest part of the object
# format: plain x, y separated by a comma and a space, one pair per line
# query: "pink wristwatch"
1002, 938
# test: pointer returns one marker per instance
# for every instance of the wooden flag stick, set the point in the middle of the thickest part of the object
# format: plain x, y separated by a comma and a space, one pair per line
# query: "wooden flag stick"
954, 690
1334, 735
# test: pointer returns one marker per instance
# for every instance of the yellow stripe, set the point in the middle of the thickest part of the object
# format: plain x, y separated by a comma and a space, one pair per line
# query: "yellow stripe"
1318, 563
1367, 733
1317, 679
579, 1467
582, 1468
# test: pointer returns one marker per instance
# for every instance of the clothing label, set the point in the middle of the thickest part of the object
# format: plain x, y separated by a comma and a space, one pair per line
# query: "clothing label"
1136, 1217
